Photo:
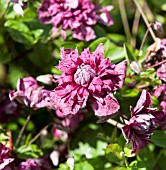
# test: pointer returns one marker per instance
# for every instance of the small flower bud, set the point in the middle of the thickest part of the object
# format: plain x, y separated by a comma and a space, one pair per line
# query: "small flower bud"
54, 156
158, 27
18, 9
46, 79
135, 67
70, 162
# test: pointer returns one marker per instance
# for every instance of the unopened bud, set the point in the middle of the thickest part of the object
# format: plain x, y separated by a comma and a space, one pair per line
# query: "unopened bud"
135, 67
18, 9
54, 156
158, 27
46, 79
70, 162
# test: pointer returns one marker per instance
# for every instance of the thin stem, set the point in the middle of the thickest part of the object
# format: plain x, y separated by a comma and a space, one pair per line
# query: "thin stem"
36, 136
155, 65
145, 19
115, 123
126, 163
23, 129
149, 13
135, 28
143, 41
158, 157
124, 19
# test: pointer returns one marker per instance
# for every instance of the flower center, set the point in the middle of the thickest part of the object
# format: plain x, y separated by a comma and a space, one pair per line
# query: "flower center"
83, 75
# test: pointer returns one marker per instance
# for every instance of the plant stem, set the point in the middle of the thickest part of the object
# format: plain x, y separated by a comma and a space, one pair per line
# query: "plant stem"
145, 19
158, 157
23, 129
124, 19
135, 28
115, 123
36, 136
143, 41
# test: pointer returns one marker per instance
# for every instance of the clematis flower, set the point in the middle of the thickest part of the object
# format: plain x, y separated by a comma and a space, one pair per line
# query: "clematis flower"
87, 76
77, 15
142, 123
29, 93
34, 164
161, 91
161, 72
8, 109
5, 159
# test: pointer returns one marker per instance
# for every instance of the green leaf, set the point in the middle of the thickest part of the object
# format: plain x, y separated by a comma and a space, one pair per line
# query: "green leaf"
116, 54
3, 136
63, 166
21, 33
129, 52
37, 33
16, 25
158, 3
41, 55
159, 138
21, 37
127, 153
14, 74
83, 166
117, 37
147, 72
29, 151
121, 168
114, 152
100, 32
130, 93
95, 43
3, 6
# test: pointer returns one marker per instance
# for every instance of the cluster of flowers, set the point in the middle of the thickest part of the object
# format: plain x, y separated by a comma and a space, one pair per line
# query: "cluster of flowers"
7, 162
77, 15
88, 76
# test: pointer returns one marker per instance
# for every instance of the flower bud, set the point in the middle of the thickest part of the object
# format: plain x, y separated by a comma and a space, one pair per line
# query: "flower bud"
18, 9
70, 162
158, 27
135, 67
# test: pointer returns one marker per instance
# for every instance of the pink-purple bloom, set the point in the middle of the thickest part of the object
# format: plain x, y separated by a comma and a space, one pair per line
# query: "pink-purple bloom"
142, 123
161, 91
29, 93
77, 15
87, 76
34, 164
161, 72
5, 158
